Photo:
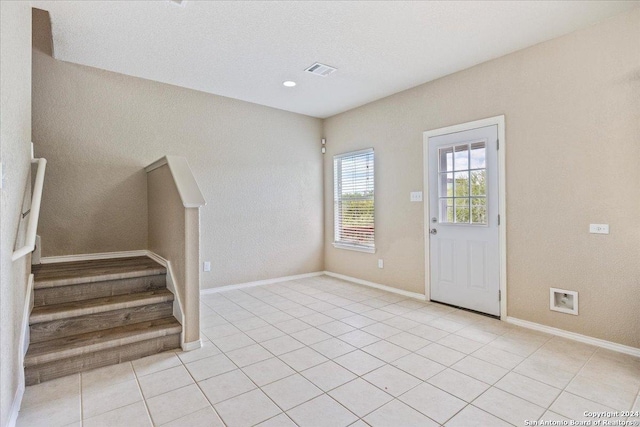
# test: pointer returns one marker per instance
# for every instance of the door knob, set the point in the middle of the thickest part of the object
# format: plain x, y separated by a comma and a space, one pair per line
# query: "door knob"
433, 231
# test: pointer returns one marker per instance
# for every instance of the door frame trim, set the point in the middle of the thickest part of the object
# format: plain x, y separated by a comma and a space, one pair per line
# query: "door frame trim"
502, 200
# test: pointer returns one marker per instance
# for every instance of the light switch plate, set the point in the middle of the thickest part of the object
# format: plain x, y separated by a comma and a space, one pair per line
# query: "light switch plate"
207, 266
380, 263
599, 228
416, 196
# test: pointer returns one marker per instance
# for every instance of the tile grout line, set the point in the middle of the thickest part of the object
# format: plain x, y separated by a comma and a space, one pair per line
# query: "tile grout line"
547, 408
199, 388
564, 389
243, 373
81, 402
570, 381
296, 372
144, 399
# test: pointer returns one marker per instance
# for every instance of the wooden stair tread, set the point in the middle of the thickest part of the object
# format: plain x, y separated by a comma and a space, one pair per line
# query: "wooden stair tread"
67, 327
61, 348
112, 356
75, 272
48, 313
106, 288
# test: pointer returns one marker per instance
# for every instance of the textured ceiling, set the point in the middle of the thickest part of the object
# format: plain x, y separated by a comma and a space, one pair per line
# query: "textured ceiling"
245, 50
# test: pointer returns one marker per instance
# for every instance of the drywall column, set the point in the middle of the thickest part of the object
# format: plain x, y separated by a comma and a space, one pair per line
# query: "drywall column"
174, 202
15, 154
192, 273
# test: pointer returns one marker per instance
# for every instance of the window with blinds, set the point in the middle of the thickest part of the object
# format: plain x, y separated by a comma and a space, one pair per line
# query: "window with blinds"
353, 196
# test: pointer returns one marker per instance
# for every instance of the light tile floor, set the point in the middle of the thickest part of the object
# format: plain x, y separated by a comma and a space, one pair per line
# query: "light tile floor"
323, 352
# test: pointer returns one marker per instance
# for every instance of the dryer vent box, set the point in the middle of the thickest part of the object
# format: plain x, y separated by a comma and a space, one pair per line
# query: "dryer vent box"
563, 301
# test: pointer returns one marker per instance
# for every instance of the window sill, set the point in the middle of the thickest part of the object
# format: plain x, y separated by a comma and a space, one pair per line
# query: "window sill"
356, 248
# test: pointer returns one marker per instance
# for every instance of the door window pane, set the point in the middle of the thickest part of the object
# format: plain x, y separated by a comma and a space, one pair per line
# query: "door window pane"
461, 161
478, 156
462, 214
446, 209
463, 184
479, 182
446, 185
461, 188
479, 210
446, 159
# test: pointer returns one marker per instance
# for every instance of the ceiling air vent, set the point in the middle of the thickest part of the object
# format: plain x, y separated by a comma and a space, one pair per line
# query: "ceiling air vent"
321, 69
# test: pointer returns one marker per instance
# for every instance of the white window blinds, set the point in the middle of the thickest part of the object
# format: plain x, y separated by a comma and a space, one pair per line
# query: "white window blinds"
353, 189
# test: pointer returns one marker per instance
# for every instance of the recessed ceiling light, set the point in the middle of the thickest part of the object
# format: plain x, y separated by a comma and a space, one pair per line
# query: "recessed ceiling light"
289, 83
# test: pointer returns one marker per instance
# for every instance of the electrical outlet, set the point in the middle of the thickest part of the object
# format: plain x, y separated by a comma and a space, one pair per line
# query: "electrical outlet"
599, 228
207, 266
380, 263
416, 196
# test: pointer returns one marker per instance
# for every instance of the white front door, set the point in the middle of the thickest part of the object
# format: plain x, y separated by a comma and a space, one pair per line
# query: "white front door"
463, 219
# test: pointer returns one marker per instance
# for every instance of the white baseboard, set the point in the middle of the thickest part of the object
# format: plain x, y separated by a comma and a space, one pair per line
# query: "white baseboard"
89, 257
258, 283
415, 295
178, 313
633, 351
193, 345
157, 258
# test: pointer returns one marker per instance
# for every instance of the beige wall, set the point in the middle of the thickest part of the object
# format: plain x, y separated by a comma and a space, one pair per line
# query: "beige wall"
15, 133
171, 232
572, 108
260, 170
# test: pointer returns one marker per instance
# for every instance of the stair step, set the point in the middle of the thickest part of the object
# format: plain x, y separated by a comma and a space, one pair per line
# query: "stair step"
36, 374
86, 291
82, 344
98, 321
49, 313
90, 314
76, 272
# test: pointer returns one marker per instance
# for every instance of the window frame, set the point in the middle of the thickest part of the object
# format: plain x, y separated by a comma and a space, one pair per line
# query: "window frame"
337, 181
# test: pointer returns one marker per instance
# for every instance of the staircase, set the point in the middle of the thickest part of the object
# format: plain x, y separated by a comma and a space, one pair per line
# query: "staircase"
89, 314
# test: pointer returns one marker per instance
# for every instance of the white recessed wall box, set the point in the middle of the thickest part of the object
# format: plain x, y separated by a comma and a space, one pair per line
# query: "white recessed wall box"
563, 301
